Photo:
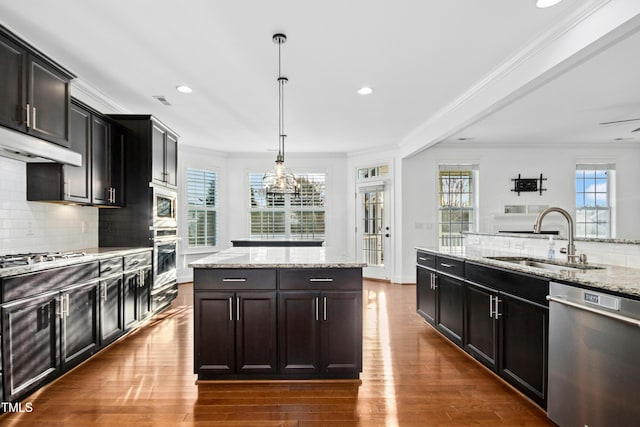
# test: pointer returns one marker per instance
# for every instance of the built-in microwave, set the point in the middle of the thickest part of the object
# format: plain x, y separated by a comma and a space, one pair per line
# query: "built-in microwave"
164, 208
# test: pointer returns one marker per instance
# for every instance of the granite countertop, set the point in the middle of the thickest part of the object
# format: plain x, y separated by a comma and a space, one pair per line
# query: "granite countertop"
92, 254
611, 278
277, 257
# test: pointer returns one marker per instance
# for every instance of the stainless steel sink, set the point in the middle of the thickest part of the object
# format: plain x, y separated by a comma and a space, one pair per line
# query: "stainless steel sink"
545, 264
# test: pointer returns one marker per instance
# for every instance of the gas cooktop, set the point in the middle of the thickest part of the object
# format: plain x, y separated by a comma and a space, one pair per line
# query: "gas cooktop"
35, 257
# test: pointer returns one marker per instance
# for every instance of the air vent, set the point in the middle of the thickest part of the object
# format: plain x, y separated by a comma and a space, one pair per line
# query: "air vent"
162, 99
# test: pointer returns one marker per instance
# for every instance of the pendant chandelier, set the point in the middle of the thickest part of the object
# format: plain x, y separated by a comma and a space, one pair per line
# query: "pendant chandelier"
279, 180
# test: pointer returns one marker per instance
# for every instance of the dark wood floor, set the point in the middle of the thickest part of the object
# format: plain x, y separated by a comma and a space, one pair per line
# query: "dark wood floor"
412, 377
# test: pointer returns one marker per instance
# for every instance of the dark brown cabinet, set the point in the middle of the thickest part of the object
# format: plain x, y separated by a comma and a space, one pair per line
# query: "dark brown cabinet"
100, 179
320, 322
152, 147
79, 337
136, 295
426, 287
111, 303
31, 344
164, 147
278, 323
507, 326
236, 333
440, 293
35, 94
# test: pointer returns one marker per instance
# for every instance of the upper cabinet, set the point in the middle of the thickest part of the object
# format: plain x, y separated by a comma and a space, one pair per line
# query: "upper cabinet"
35, 92
100, 179
152, 147
165, 155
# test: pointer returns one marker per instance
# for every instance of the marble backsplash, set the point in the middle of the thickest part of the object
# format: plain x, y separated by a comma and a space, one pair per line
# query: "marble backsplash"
622, 253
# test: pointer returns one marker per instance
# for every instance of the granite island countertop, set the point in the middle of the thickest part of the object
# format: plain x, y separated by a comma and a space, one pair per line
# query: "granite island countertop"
624, 281
278, 257
91, 254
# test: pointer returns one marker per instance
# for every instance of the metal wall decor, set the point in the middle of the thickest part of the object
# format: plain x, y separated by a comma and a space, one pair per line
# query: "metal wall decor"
528, 184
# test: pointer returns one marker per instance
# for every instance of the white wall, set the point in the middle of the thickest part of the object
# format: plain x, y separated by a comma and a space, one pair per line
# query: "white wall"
498, 165
40, 227
234, 196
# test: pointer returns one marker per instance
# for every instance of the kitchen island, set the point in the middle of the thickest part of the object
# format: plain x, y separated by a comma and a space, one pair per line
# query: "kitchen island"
277, 313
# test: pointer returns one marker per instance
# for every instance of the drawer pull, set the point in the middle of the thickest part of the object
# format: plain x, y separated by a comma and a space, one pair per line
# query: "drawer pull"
107, 269
232, 279
326, 279
445, 265
421, 258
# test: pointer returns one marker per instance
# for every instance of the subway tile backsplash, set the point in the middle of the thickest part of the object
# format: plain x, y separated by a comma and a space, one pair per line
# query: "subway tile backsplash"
36, 226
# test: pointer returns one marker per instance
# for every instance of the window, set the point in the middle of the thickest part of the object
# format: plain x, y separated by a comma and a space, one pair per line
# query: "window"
456, 204
593, 200
299, 216
202, 215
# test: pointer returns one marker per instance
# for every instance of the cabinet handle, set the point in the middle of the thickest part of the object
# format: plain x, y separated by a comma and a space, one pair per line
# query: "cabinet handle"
237, 308
324, 308
234, 279
68, 306
434, 281
231, 308
496, 312
60, 308
27, 108
104, 292
445, 265
421, 258
113, 199
67, 187
317, 307
490, 305
34, 118
326, 279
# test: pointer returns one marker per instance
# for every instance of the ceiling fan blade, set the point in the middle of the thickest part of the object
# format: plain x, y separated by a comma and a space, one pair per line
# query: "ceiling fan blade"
619, 121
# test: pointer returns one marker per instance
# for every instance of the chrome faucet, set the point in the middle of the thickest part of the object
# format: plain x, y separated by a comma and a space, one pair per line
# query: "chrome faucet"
571, 248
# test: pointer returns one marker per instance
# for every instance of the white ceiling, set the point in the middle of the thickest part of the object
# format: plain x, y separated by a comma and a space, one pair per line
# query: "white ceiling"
418, 55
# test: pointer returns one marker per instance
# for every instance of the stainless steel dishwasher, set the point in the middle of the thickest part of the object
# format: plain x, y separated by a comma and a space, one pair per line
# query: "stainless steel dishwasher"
594, 358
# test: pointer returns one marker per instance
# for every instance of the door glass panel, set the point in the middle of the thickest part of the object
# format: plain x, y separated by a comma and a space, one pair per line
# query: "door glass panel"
373, 227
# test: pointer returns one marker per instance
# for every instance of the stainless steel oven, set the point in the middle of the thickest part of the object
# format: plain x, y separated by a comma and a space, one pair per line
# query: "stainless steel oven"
165, 243
164, 208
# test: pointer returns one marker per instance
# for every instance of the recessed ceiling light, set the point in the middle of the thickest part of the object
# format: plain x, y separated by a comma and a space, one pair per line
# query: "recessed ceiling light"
546, 3
184, 89
365, 90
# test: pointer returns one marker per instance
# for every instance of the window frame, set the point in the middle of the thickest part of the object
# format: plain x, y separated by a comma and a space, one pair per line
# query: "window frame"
583, 211
189, 208
288, 209
472, 199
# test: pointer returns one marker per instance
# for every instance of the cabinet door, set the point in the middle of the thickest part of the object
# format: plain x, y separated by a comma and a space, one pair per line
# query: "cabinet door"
30, 345
144, 292
77, 179
130, 298
341, 333
13, 101
256, 328
171, 159
49, 100
481, 339
116, 157
101, 140
524, 336
157, 154
450, 307
214, 338
298, 332
111, 320
425, 295
79, 333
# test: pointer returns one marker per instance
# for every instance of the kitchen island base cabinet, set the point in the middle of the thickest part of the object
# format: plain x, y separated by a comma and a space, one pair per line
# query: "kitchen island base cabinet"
236, 333
277, 323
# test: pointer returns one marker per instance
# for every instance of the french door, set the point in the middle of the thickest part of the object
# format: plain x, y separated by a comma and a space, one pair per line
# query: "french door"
373, 235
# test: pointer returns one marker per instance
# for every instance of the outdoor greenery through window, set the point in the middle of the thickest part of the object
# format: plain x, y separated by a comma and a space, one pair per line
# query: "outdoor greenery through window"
202, 215
296, 216
593, 200
456, 204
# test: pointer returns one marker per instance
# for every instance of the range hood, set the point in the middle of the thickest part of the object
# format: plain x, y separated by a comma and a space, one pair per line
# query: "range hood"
19, 146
